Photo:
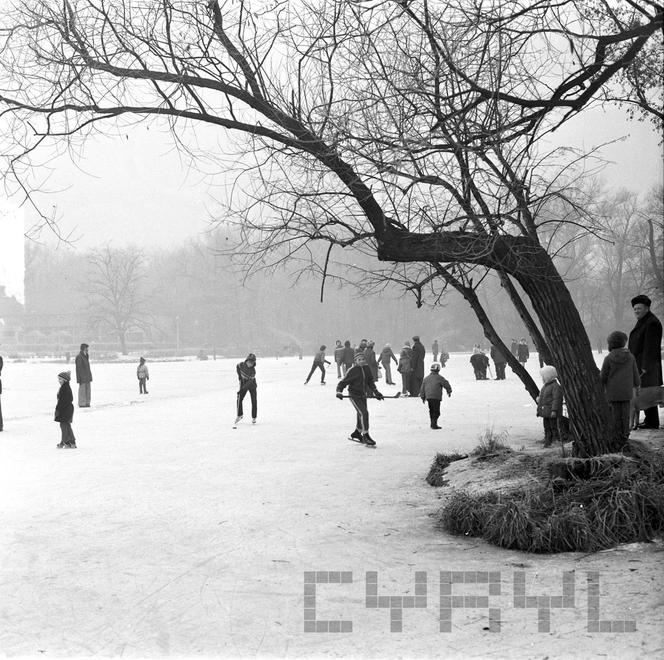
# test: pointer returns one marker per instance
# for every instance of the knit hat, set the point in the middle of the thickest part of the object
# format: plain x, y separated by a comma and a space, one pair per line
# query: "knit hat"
65, 375
548, 373
251, 356
616, 339
641, 299
435, 367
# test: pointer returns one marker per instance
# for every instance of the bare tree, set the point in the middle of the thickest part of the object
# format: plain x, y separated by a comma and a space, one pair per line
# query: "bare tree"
408, 129
114, 289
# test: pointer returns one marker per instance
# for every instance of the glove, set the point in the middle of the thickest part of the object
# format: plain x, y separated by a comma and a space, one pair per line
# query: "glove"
449, 394
340, 395
379, 396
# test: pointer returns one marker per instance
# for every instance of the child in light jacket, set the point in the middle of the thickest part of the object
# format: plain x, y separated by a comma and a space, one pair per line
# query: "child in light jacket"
143, 376
550, 404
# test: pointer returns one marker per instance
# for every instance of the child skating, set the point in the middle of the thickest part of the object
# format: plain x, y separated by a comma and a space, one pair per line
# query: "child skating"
319, 363
360, 384
143, 376
431, 392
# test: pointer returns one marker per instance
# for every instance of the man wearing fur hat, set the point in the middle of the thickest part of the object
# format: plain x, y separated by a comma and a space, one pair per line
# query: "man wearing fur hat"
83, 377
645, 345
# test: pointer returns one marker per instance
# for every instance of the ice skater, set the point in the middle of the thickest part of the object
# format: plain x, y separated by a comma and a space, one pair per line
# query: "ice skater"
83, 377
64, 412
246, 373
431, 392
143, 376
360, 384
319, 363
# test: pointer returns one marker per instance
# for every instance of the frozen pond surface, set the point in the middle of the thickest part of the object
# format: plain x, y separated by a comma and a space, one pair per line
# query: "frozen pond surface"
169, 533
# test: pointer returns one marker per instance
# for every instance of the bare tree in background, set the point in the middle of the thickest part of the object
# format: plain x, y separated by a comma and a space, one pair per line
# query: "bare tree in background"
408, 129
114, 290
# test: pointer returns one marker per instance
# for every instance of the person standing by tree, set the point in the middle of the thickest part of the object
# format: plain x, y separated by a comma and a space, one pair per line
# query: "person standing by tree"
514, 347
522, 352
84, 377
434, 350
431, 392
550, 404
386, 357
338, 357
620, 376
645, 341
64, 412
417, 366
143, 376
246, 373
500, 361
319, 363
360, 384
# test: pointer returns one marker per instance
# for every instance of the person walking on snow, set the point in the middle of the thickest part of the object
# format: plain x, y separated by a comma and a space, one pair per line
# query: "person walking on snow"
404, 369
64, 412
434, 350
319, 363
360, 384
339, 357
500, 361
143, 376
431, 392
246, 373
386, 357
522, 352
83, 377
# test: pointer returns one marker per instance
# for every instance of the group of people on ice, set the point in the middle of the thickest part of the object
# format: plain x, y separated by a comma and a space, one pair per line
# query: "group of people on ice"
480, 361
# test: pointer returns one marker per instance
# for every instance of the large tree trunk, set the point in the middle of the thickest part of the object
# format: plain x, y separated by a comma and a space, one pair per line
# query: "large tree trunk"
527, 261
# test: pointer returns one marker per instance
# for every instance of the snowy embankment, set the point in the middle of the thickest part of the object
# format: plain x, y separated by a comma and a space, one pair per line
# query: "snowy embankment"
168, 532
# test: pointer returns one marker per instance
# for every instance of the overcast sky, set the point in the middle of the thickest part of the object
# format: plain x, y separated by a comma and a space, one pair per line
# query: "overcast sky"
136, 189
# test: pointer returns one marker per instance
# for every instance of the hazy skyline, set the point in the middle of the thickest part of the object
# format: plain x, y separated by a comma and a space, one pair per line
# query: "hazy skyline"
136, 188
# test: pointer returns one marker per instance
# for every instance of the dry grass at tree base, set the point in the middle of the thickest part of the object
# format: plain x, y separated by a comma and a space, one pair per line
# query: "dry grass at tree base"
617, 499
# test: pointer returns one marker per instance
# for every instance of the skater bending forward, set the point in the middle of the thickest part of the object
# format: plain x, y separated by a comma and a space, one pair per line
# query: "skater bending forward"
360, 384
246, 373
64, 411
431, 392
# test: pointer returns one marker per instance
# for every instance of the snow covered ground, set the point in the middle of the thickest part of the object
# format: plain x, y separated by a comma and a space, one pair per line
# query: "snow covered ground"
169, 533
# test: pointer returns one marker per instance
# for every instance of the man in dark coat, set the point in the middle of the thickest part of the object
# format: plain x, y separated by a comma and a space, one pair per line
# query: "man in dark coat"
645, 345
83, 377
416, 366
246, 374
347, 357
500, 361
480, 363
372, 362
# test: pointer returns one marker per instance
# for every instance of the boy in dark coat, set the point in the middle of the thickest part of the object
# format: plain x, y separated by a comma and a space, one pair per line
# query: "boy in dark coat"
360, 384
246, 373
431, 392
499, 361
620, 375
417, 366
64, 412
550, 404
83, 377
348, 357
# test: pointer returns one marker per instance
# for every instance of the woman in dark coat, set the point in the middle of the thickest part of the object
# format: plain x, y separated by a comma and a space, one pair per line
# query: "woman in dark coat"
522, 352
64, 411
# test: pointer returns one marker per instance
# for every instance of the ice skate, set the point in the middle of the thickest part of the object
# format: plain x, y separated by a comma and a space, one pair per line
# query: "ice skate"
253, 421
355, 436
237, 419
368, 441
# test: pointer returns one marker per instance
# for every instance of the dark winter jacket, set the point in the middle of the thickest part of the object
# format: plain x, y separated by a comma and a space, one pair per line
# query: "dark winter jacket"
522, 352
433, 386
479, 361
247, 375
550, 399
319, 358
359, 381
370, 355
339, 354
619, 375
386, 355
497, 356
404, 362
645, 345
64, 409
83, 373
417, 359
514, 348
348, 356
